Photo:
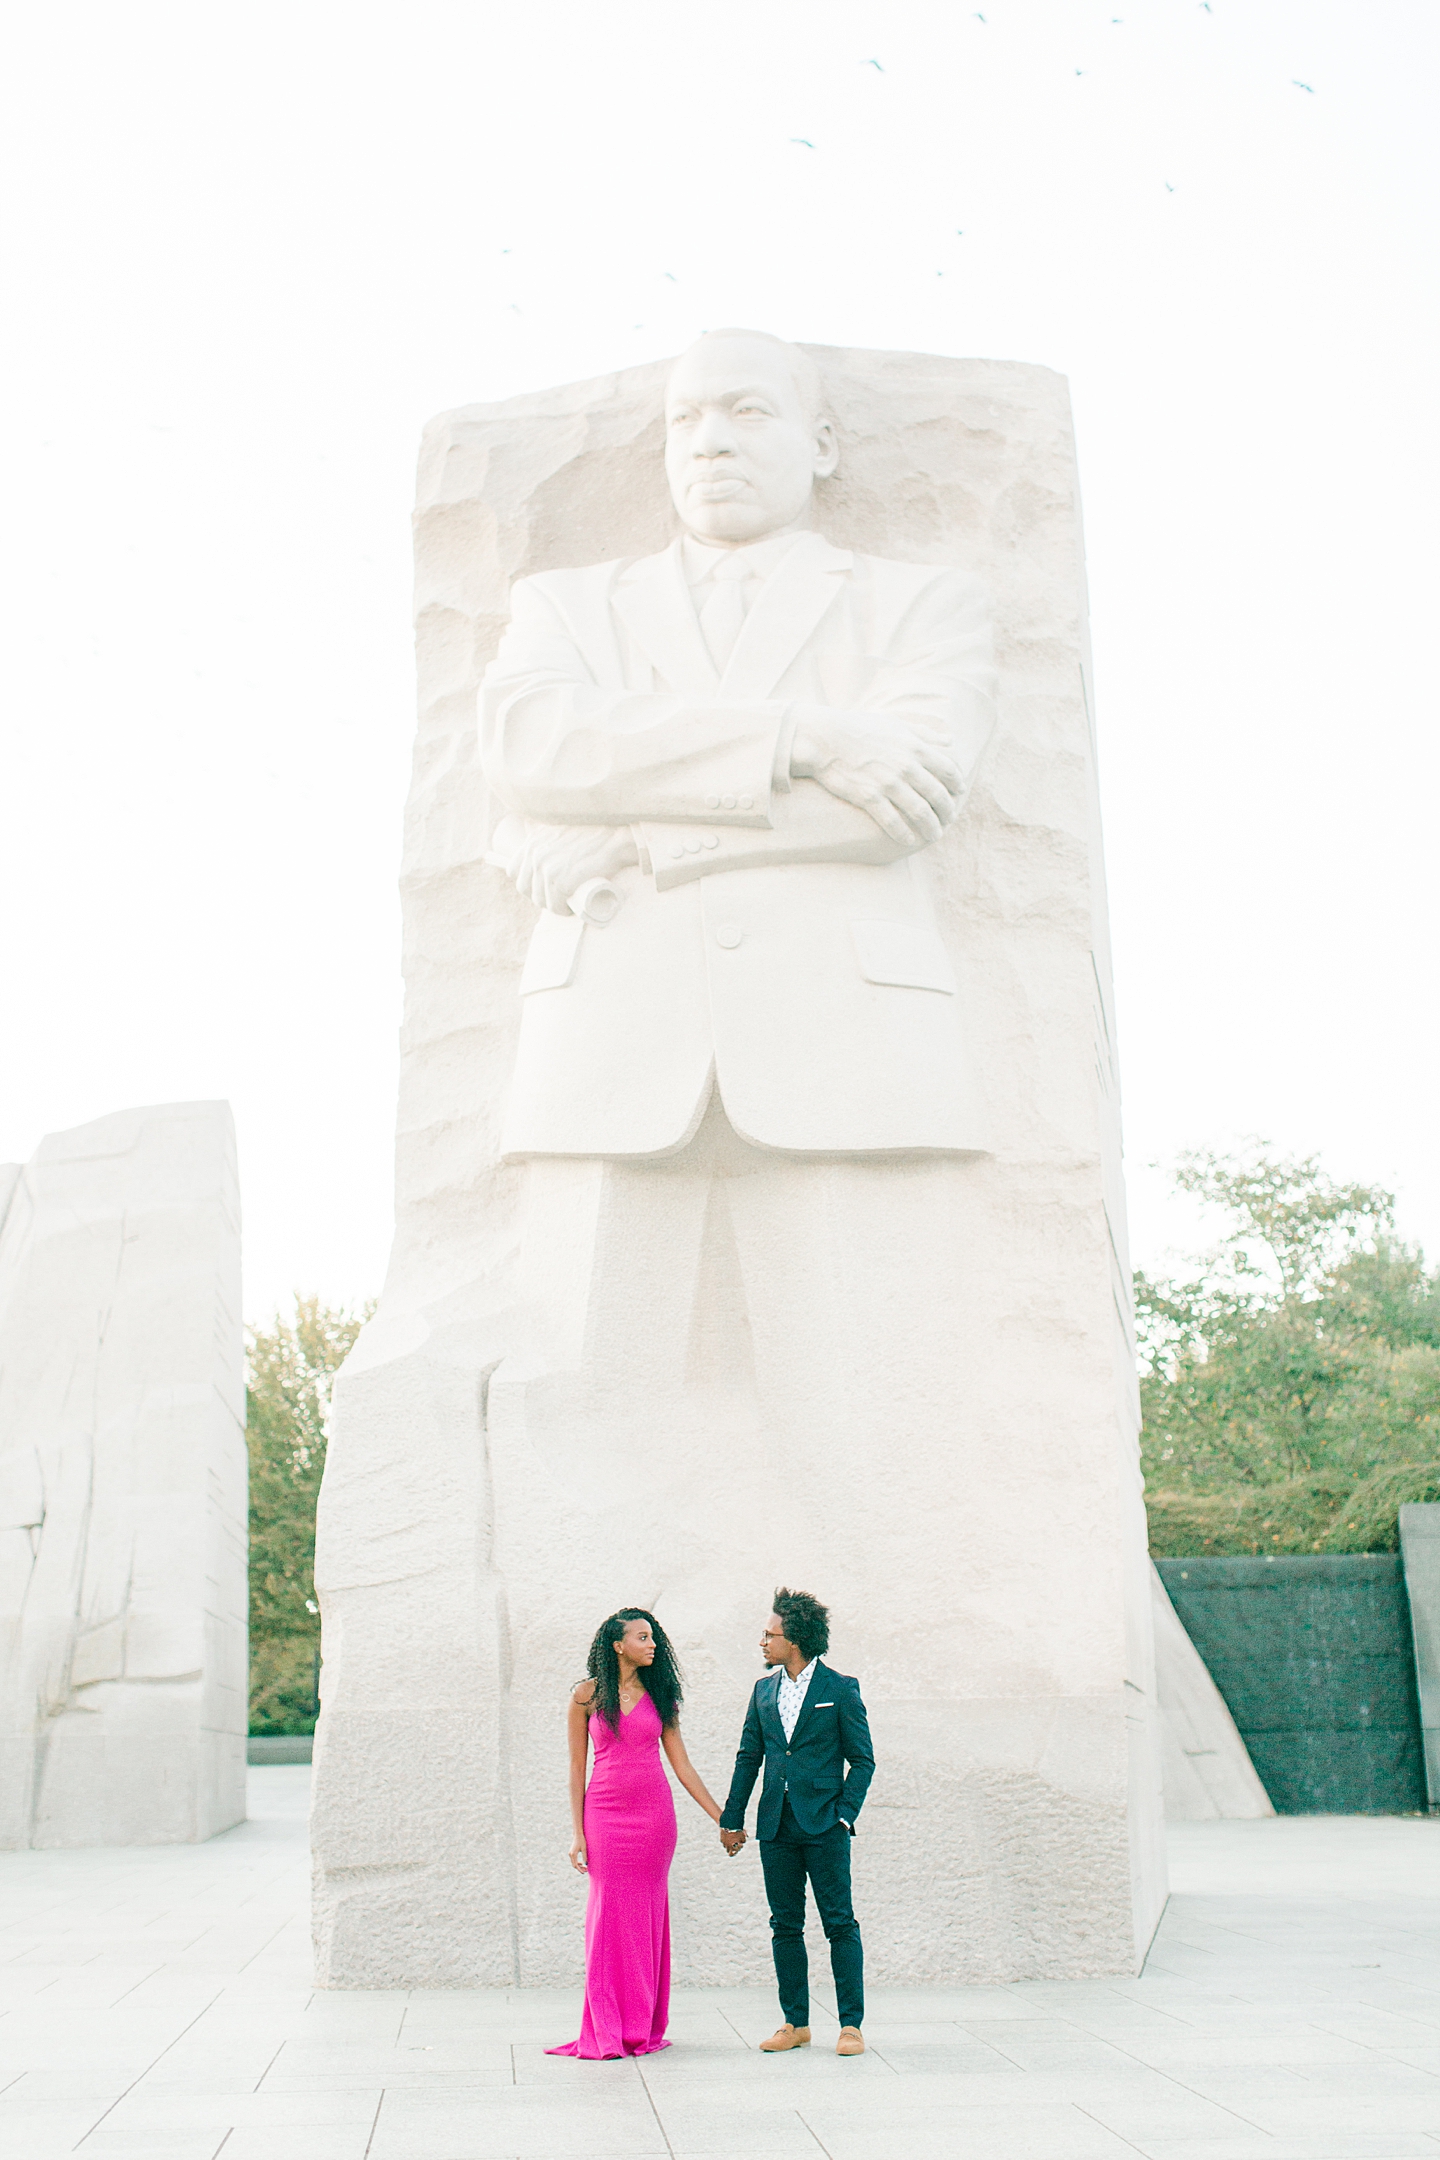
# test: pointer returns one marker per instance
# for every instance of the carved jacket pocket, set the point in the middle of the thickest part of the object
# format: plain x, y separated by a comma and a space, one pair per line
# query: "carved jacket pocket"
908, 955
554, 949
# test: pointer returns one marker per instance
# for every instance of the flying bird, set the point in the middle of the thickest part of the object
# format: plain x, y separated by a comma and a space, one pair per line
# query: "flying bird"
1301, 85
1168, 189
875, 64
671, 275
979, 17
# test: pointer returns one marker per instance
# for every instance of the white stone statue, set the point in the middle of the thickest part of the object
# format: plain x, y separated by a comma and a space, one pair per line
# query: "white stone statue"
752, 734
759, 1211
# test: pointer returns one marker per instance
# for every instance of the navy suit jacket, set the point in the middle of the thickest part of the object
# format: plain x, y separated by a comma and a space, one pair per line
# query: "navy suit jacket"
830, 1733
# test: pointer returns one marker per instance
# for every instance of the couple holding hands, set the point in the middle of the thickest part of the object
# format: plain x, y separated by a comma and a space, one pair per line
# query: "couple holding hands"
806, 1725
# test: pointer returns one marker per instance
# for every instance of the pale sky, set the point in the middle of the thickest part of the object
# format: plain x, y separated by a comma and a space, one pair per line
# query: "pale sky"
250, 250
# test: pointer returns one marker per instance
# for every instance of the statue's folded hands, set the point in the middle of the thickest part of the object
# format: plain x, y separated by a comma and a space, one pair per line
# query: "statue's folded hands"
899, 770
550, 863
898, 773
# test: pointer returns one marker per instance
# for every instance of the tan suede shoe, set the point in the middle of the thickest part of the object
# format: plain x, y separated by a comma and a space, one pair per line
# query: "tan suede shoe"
789, 2036
850, 2042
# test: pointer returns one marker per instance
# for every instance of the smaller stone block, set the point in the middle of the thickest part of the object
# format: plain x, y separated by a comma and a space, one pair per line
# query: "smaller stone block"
122, 1484
1205, 1765
1420, 1556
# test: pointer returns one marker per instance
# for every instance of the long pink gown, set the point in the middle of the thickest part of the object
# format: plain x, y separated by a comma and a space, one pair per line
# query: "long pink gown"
629, 1843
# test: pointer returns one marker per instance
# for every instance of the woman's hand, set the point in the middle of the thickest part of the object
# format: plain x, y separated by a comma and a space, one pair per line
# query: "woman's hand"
579, 1858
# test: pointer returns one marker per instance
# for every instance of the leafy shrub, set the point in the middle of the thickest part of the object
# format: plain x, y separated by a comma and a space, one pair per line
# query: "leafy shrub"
1291, 1384
292, 1367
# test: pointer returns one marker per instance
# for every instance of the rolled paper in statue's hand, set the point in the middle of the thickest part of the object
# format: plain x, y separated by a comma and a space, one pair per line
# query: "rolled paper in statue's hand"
596, 900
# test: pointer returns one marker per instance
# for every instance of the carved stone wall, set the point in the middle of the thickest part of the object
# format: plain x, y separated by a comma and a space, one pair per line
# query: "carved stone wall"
123, 1696
981, 1535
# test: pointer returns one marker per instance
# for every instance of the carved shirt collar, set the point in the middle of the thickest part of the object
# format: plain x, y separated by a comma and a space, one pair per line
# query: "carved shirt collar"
701, 561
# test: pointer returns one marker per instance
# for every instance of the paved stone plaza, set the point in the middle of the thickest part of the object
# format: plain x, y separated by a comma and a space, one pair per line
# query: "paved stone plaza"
157, 2003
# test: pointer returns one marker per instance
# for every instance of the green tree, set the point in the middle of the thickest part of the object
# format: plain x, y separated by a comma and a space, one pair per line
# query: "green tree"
292, 1367
1291, 1383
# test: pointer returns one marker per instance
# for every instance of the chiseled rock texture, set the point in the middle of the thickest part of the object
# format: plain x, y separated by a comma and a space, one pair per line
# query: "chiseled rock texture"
985, 1555
123, 1484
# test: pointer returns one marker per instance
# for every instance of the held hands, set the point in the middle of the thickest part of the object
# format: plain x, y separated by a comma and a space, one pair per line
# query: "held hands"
899, 771
547, 863
732, 1840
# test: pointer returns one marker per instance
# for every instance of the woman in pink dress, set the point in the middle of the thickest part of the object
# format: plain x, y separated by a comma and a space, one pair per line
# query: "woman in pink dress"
624, 1822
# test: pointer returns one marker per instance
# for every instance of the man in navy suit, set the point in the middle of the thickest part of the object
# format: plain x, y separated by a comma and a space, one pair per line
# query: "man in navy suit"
807, 1725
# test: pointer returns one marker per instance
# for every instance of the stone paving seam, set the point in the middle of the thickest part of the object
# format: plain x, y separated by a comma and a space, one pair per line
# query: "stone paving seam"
1195, 2094
145, 2073
1101, 2124
655, 2112
270, 2065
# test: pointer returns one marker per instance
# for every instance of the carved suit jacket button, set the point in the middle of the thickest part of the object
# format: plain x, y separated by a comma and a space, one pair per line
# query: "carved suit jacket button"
729, 935
711, 840
728, 801
747, 802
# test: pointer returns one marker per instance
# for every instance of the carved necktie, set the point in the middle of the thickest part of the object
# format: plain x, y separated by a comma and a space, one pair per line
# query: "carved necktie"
723, 615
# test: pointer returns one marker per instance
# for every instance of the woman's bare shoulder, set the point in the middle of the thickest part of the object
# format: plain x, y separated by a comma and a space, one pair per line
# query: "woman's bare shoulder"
583, 1693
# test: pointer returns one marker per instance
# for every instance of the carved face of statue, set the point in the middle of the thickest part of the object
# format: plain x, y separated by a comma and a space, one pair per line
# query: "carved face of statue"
742, 447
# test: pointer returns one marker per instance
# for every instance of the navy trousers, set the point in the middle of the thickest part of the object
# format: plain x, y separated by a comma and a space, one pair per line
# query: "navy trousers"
789, 1859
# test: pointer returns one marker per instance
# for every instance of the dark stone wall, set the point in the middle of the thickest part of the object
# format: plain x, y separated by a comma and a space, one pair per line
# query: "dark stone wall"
1314, 1657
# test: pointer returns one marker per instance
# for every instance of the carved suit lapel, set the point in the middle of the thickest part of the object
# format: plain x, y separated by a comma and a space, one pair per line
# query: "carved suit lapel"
653, 601
790, 604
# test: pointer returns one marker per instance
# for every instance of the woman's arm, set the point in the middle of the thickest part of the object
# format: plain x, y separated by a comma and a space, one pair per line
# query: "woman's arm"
689, 1776
579, 1730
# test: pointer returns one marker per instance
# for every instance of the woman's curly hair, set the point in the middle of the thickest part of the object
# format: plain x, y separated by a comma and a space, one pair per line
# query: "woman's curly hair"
660, 1679
805, 1620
